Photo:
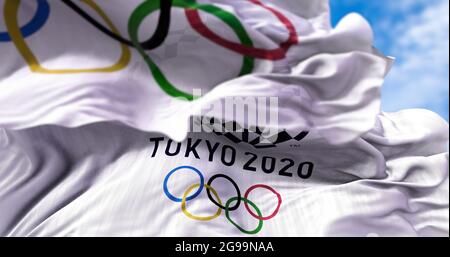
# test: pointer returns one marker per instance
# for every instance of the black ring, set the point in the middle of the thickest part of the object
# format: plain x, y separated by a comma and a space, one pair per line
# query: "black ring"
156, 40
235, 186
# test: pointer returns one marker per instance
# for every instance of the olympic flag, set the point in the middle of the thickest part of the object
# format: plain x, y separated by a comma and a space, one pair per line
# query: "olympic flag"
87, 64
97, 100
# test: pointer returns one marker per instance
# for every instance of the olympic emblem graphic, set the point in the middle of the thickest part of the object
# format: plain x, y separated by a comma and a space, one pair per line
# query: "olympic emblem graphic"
245, 47
216, 200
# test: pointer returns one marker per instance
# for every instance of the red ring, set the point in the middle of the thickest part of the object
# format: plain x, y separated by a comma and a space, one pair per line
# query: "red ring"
196, 22
268, 188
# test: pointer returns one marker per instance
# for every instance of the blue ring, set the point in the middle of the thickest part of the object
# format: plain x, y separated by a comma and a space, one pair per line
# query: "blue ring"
200, 188
36, 23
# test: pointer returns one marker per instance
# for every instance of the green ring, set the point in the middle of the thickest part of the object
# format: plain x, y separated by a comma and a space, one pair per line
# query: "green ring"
149, 6
227, 214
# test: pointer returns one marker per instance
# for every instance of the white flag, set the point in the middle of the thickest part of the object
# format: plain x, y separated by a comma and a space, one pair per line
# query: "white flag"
111, 180
149, 118
63, 70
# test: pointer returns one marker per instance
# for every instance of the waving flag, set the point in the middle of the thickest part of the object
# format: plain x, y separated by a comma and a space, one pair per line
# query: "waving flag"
89, 61
111, 180
100, 101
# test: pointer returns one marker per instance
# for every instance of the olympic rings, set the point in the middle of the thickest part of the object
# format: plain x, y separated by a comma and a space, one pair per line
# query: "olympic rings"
246, 201
11, 20
183, 204
245, 47
156, 40
218, 202
147, 7
259, 216
175, 199
36, 23
235, 186
275, 54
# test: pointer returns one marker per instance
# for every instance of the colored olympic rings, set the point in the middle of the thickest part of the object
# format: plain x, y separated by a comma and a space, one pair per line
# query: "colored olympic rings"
183, 204
11, 10
200, 188
259, 214
148, 7
35, 24
156, 40
235, 186
275, 54
246, 201
187, 196
245, 47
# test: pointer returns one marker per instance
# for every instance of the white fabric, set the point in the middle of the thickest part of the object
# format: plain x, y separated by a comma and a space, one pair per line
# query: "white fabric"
76, 159
333, 67
100, 180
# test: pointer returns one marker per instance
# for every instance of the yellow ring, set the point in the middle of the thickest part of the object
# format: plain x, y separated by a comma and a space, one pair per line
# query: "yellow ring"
183, 204
10, 12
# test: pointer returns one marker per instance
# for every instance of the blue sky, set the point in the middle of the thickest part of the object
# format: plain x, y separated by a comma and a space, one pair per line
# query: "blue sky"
416, 33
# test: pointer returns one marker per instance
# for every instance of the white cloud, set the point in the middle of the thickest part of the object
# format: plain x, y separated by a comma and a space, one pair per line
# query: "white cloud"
421, 45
